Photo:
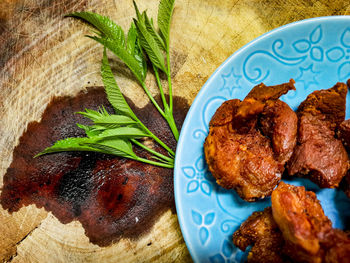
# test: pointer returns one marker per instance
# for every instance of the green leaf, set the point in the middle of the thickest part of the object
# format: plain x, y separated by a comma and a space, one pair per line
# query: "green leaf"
165, 11
124, 132
150, 28
134, 48
115, 119
112, 36
114, 94
102, 23
90, 131
131, 40
140, 17
103, 118
150, 45
133, 64
117, 147
69, 144
94, 115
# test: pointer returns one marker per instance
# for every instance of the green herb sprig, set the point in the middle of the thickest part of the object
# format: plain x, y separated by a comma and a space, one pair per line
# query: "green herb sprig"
143, 39
116, 133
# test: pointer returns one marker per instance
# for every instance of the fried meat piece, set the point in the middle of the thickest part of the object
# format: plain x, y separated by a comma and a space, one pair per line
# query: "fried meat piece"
261, 232
308, 233
300, 217
243, 156
318, 154
254, 104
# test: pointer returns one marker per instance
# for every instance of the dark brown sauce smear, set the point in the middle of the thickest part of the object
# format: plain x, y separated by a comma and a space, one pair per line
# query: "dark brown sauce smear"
111, 197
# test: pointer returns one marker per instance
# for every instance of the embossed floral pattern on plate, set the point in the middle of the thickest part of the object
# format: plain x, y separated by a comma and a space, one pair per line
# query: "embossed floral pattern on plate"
316, 53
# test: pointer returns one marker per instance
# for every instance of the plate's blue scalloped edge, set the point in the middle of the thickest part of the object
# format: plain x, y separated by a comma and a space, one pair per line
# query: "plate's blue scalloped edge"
309, 47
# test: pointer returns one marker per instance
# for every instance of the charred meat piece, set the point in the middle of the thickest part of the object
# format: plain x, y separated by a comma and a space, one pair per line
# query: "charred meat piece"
308, 233
243, 156
318, 154
261, 232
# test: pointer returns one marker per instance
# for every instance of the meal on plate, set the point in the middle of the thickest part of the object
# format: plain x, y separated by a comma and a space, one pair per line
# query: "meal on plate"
294, 229
250, 142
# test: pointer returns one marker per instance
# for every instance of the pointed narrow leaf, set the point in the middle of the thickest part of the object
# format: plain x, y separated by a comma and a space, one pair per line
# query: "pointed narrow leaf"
117, 147
92, 114
114, 94
134, 65
124, 132
115, 119
150, 28
151, 47
140, 57
69, 144
90, 131
131, 40
102, 117
105, 25
134, 48
165, 11
138, 14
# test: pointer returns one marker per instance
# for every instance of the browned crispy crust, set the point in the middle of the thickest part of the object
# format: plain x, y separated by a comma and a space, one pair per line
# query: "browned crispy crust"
307, 231
295, 229
241, 154
319, 155
261, 232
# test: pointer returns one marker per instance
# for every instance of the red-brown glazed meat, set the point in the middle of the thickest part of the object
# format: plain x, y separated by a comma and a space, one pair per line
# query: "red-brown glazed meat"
294, 230
244, 157
262, 233
308, 233
318, 154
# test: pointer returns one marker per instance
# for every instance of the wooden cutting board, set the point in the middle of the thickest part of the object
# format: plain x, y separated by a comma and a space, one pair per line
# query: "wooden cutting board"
43, 55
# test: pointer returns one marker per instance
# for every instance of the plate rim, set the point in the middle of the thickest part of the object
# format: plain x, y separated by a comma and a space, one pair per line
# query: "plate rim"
199, 96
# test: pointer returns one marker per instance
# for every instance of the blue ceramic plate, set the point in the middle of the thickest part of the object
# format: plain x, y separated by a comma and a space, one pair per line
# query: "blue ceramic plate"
316, 54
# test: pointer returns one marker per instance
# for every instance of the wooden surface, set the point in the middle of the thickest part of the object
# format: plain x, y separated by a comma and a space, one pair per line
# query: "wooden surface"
43, 55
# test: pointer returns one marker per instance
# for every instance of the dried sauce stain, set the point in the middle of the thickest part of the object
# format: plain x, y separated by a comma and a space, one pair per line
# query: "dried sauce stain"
111, 197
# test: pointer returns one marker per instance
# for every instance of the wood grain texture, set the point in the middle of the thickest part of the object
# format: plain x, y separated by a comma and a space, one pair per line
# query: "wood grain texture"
43, 55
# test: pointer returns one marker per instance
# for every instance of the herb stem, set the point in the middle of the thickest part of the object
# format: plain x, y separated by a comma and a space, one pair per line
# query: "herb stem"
167, 159
165, 165
171, 122
169, 81
160, 142
165, 104
152, 99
